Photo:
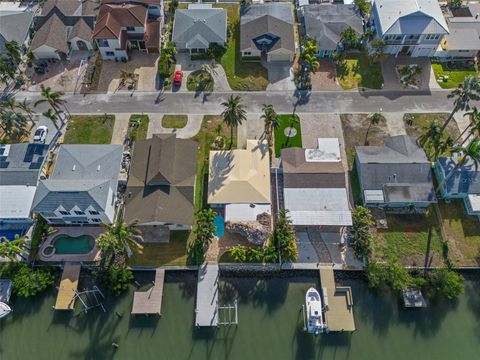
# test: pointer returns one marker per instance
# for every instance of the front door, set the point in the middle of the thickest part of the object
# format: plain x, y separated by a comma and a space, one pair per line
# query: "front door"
81, 45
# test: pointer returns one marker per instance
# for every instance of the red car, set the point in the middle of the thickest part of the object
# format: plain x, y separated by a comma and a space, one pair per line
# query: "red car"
177, 78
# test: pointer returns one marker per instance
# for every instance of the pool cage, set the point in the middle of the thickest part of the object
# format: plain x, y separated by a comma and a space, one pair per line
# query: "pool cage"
91, 298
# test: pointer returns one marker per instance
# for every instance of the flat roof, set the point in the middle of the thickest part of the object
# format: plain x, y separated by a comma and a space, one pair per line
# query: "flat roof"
16, 201
327, 150
245, 212
474, 200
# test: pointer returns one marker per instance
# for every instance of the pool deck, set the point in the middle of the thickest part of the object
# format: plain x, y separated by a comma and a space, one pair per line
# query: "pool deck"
68, 287
73, 231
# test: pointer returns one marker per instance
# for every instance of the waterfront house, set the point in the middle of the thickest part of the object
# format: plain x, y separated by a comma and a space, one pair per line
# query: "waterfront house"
314, 186
124, 25
239, 182
199, 26
462, 184
266, 32
63, 26
82, 187
16, 20
20, 168
396, 176
409, 27
325, 23
161, 182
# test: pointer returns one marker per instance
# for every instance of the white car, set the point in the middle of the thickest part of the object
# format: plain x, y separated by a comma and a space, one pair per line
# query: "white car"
40, 134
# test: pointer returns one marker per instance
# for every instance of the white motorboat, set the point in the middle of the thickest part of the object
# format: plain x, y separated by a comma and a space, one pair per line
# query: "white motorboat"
4, 310
314, 316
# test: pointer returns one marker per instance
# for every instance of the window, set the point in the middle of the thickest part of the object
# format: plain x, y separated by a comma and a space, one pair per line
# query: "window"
247, 53
109, 53
102, 43
130, 28
64, 212
95, 220
94, 212
79, 212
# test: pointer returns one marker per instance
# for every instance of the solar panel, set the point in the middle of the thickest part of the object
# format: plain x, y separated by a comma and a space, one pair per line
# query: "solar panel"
2, 150
35, 165
3, 158
4, 164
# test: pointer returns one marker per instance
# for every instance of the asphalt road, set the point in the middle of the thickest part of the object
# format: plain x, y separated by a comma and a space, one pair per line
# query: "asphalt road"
283, 102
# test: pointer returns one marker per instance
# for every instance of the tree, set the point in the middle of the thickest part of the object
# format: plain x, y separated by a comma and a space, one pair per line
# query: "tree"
13, 249
390, 273
363, 6
238, 253
25, 107
14, 52
349, 37
203, 232
28, 282
53, 98
434, 141
377, 49
234, 114
360, 233
115, 279
433, 131
463, 94
284, 238
445, 282
473, 127
271, 122
13, 126
50, 114
374, 119
454, 4
309, 54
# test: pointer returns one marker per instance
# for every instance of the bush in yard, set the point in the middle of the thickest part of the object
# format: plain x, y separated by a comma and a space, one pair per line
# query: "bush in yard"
445, 282
238, 253
363, 6
216, 51
203, 233
284, 237
454, 4
360, 232
29, 282
115, 279
254, 254
391, 274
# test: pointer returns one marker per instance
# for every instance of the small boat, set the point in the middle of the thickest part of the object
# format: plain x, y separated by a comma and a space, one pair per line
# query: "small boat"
4, 310
313, 307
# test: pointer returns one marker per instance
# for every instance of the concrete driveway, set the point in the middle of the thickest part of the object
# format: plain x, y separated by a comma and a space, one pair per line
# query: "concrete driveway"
191, 129
325, 78
41, 120
280, 76
253, 128
392, 81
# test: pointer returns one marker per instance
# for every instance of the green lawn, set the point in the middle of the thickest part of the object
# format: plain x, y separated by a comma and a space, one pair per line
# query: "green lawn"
463, 231
357, 71
200, 81
283, 141
406, 238
246, 76
138, 127
160, 254
455, 76
174, 121
89, 129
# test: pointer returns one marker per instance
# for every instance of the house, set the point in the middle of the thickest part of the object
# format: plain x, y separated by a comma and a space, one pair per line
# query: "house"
396, 176
82, 187
326, 22
266, 32
20, 168
409, 27
199, 26
63, 26
239, 182
314, 186
463, 184
463, 41
127, 25
161, 182
16, 22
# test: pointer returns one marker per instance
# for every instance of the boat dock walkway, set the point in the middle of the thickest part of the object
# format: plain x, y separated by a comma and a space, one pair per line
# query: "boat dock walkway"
150, 301
68, 287
207, 296
338, 302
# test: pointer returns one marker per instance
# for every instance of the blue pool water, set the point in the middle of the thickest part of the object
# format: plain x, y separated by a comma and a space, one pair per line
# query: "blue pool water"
219, 223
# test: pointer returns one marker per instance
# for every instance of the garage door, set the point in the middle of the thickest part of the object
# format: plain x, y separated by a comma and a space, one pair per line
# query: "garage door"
279, 57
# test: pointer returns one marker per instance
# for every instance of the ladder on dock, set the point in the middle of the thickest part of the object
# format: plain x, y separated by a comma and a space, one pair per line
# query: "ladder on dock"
206, 311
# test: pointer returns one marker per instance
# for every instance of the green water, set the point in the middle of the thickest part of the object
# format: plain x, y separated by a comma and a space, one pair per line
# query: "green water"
65, 244
270, 327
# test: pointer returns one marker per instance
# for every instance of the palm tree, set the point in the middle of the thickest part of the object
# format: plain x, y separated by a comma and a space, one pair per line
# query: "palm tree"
14, 51
433, 131
25, 107
311, 61
50, 114
234, 114
469, 90
13, 126
348, 37
271, 122
473, 127
53, 98
13, 249
374, 119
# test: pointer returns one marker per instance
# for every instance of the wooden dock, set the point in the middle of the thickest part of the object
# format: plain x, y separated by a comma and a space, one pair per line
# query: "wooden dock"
68, 287
338, 302
207, 296
150, 301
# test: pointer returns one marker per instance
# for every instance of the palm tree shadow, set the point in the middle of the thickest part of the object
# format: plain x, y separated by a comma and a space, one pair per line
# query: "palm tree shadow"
221, 166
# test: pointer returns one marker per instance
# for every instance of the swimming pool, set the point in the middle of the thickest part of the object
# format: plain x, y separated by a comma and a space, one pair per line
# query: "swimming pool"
65, 244
219, 223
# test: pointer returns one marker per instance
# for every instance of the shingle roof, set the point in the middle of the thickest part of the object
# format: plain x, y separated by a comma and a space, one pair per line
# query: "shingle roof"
273, 19
22, 164
326, 22
15, 25
113, 17
52, 33
71, 7
409, 17
81, 30
465, 180
204, 25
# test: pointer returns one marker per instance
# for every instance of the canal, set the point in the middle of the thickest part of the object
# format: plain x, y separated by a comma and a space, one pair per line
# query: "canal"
270, 326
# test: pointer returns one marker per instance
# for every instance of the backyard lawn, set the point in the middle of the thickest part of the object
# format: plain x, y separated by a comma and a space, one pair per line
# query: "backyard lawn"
246, 76
89, 129
281, 138
138, 127
160, 254
174, 121
356, 71
455, 76
462, 232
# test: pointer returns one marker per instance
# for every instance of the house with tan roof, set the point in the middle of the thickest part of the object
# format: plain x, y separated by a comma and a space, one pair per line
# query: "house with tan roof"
239, 181
127, 25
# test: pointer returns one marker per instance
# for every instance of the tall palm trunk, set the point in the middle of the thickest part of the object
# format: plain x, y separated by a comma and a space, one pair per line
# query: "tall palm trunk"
463, 133
231, 136
450, 117
449, 175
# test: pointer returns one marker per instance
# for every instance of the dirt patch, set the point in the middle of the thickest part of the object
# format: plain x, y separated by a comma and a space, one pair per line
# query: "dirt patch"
325, 77
218, 249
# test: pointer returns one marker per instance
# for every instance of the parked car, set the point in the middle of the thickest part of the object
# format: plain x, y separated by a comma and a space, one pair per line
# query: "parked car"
177, 78
40, 134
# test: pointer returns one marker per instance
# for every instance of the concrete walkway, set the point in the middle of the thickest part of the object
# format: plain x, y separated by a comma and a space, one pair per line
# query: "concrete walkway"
120, 128
192, 128
395, 124
253, 128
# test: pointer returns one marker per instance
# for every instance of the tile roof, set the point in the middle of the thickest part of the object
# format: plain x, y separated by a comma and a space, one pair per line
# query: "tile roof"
113, 17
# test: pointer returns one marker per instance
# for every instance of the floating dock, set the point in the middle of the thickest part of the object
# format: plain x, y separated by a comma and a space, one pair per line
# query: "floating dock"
68, 287
150, 301
338, 302
207, 296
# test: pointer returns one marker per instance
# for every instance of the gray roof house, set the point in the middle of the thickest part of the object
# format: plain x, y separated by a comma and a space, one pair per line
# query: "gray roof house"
195, 28
266, 30
326, 22
396, 175
82, 187
15, 23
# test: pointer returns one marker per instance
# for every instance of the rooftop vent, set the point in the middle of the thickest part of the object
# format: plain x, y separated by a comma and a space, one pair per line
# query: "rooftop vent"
74, 167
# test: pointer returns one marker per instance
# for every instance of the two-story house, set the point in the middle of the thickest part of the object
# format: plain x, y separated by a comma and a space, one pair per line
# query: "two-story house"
127, 25
409, 27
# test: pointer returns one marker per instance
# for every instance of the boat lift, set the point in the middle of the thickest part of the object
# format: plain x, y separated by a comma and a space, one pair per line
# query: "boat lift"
228, 314
90, 299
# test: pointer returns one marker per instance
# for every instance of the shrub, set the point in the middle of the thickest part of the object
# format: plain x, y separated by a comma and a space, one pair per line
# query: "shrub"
39, 232
360, 233
115, 279
29, 282
203, 232
216, 51
284, 237
391, 274
254, 254
445, 282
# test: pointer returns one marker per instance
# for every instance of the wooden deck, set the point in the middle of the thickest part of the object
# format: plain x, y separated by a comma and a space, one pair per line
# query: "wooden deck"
207, 296
150, 301
339, 303
68, 287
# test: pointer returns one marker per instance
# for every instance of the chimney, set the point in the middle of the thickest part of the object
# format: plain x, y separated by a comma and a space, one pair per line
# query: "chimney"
74, 166
98, 167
